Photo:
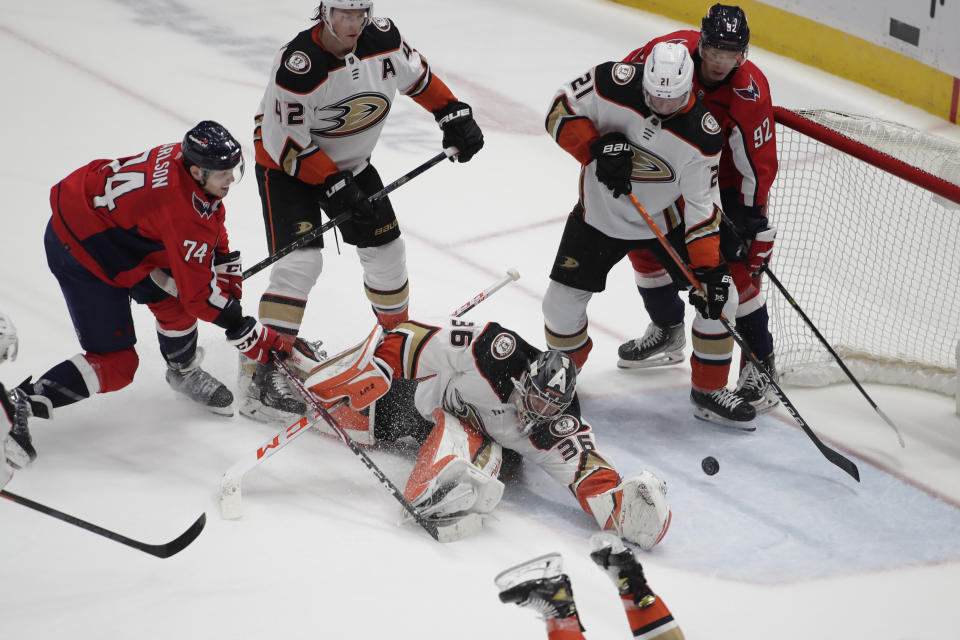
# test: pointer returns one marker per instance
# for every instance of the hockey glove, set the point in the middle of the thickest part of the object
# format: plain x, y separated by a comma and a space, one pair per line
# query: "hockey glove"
341, 193
229, 270
715, 286
8, 339
614, 162
460, 130
760, 250
255, 341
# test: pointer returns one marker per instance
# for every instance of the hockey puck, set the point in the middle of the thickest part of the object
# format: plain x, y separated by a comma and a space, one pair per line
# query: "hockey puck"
710, 465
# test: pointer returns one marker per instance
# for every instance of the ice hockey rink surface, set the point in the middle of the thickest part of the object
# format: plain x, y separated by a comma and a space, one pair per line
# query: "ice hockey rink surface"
779, 544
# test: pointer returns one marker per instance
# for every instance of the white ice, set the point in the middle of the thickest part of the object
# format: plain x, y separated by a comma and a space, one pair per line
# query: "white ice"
780, 544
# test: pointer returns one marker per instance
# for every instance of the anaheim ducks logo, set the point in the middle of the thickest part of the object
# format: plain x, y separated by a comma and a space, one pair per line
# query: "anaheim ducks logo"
649, 167
302, 227
566, 262
710, 124
623, 73
354, 115
564, 426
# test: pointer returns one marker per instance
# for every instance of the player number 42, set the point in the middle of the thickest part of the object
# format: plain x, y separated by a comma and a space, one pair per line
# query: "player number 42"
762, 134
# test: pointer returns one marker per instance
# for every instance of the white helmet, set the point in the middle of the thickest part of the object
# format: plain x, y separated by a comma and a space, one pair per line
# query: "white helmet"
323, 11
667, 73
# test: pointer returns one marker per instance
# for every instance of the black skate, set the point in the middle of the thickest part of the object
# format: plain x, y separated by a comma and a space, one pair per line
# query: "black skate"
723, 407
620, 564
658, 347
269, 397
198, 385
18, 443
539, 585
754, 389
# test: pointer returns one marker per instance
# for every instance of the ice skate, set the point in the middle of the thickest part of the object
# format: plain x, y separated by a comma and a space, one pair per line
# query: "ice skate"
610, 554
18, 443
198, 385
269, 397
755, 390
723, 407
659, 346
540, 585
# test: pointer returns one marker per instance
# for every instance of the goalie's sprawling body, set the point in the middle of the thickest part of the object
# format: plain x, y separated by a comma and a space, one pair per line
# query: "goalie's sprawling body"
482, 389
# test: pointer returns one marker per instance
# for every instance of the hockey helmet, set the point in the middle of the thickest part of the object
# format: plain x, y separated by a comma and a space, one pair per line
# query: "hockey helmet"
324, 14
210, 147
667, 77
546, 388
725, 27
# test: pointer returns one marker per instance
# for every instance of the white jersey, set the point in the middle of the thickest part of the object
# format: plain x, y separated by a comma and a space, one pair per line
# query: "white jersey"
469, 370
675, 163
320, 113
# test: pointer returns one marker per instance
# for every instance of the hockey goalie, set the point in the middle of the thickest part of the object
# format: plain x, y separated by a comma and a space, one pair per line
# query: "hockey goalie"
476, 398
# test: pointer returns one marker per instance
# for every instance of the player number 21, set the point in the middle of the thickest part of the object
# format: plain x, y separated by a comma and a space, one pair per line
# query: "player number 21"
762, 133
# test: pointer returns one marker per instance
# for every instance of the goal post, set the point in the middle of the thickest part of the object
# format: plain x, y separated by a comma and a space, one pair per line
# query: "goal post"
868, 243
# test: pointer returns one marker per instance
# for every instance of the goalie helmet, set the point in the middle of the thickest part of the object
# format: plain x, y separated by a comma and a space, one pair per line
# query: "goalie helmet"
210, 147
545, 389
323, 12
725, 27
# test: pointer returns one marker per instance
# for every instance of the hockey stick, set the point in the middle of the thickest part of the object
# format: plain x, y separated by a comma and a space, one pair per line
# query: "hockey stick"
159, 550
333, 222
231, 484
833, 456
793, 303
512, 274
428, 526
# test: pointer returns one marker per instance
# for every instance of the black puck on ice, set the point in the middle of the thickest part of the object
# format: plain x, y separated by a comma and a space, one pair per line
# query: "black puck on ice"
710, 465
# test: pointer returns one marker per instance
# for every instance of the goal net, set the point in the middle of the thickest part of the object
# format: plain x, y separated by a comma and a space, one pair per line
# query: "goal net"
868, 244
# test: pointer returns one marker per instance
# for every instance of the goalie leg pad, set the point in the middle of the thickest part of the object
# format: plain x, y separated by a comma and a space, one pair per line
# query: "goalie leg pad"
636, 510
456, 470
357, 424
354, 374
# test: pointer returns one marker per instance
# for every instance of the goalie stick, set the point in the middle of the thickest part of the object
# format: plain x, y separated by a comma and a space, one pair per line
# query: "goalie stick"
833, 456
173, 547
231, 491
333, 222
793, 303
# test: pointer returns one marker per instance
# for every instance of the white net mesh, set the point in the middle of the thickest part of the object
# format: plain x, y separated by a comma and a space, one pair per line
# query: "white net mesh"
872, 259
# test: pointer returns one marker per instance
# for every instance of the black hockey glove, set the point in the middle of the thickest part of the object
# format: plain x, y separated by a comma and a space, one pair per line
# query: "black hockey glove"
460, 130
614, 162
341, 193
716, 284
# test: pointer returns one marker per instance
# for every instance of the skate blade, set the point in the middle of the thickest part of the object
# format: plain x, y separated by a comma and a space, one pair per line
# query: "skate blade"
766, 404
709, 416
255, 410
546, 566
659, 360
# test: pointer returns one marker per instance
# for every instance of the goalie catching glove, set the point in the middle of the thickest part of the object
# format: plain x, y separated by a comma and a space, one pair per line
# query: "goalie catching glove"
354, 374
715, 286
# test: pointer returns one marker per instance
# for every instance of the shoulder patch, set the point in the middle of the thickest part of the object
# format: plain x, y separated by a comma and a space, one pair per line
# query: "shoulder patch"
623, 73
564, 426
503, 346
201, 206
298, 62
710, 124
750, 92
381, 23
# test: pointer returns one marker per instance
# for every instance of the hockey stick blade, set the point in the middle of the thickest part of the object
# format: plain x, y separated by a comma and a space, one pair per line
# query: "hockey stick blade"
173, 547
835, 457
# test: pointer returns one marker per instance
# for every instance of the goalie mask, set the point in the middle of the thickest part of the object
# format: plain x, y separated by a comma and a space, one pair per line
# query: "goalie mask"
545, 389
324, 12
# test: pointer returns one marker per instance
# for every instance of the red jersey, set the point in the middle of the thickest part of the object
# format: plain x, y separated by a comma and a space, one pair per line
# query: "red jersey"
744, 109
122, 219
